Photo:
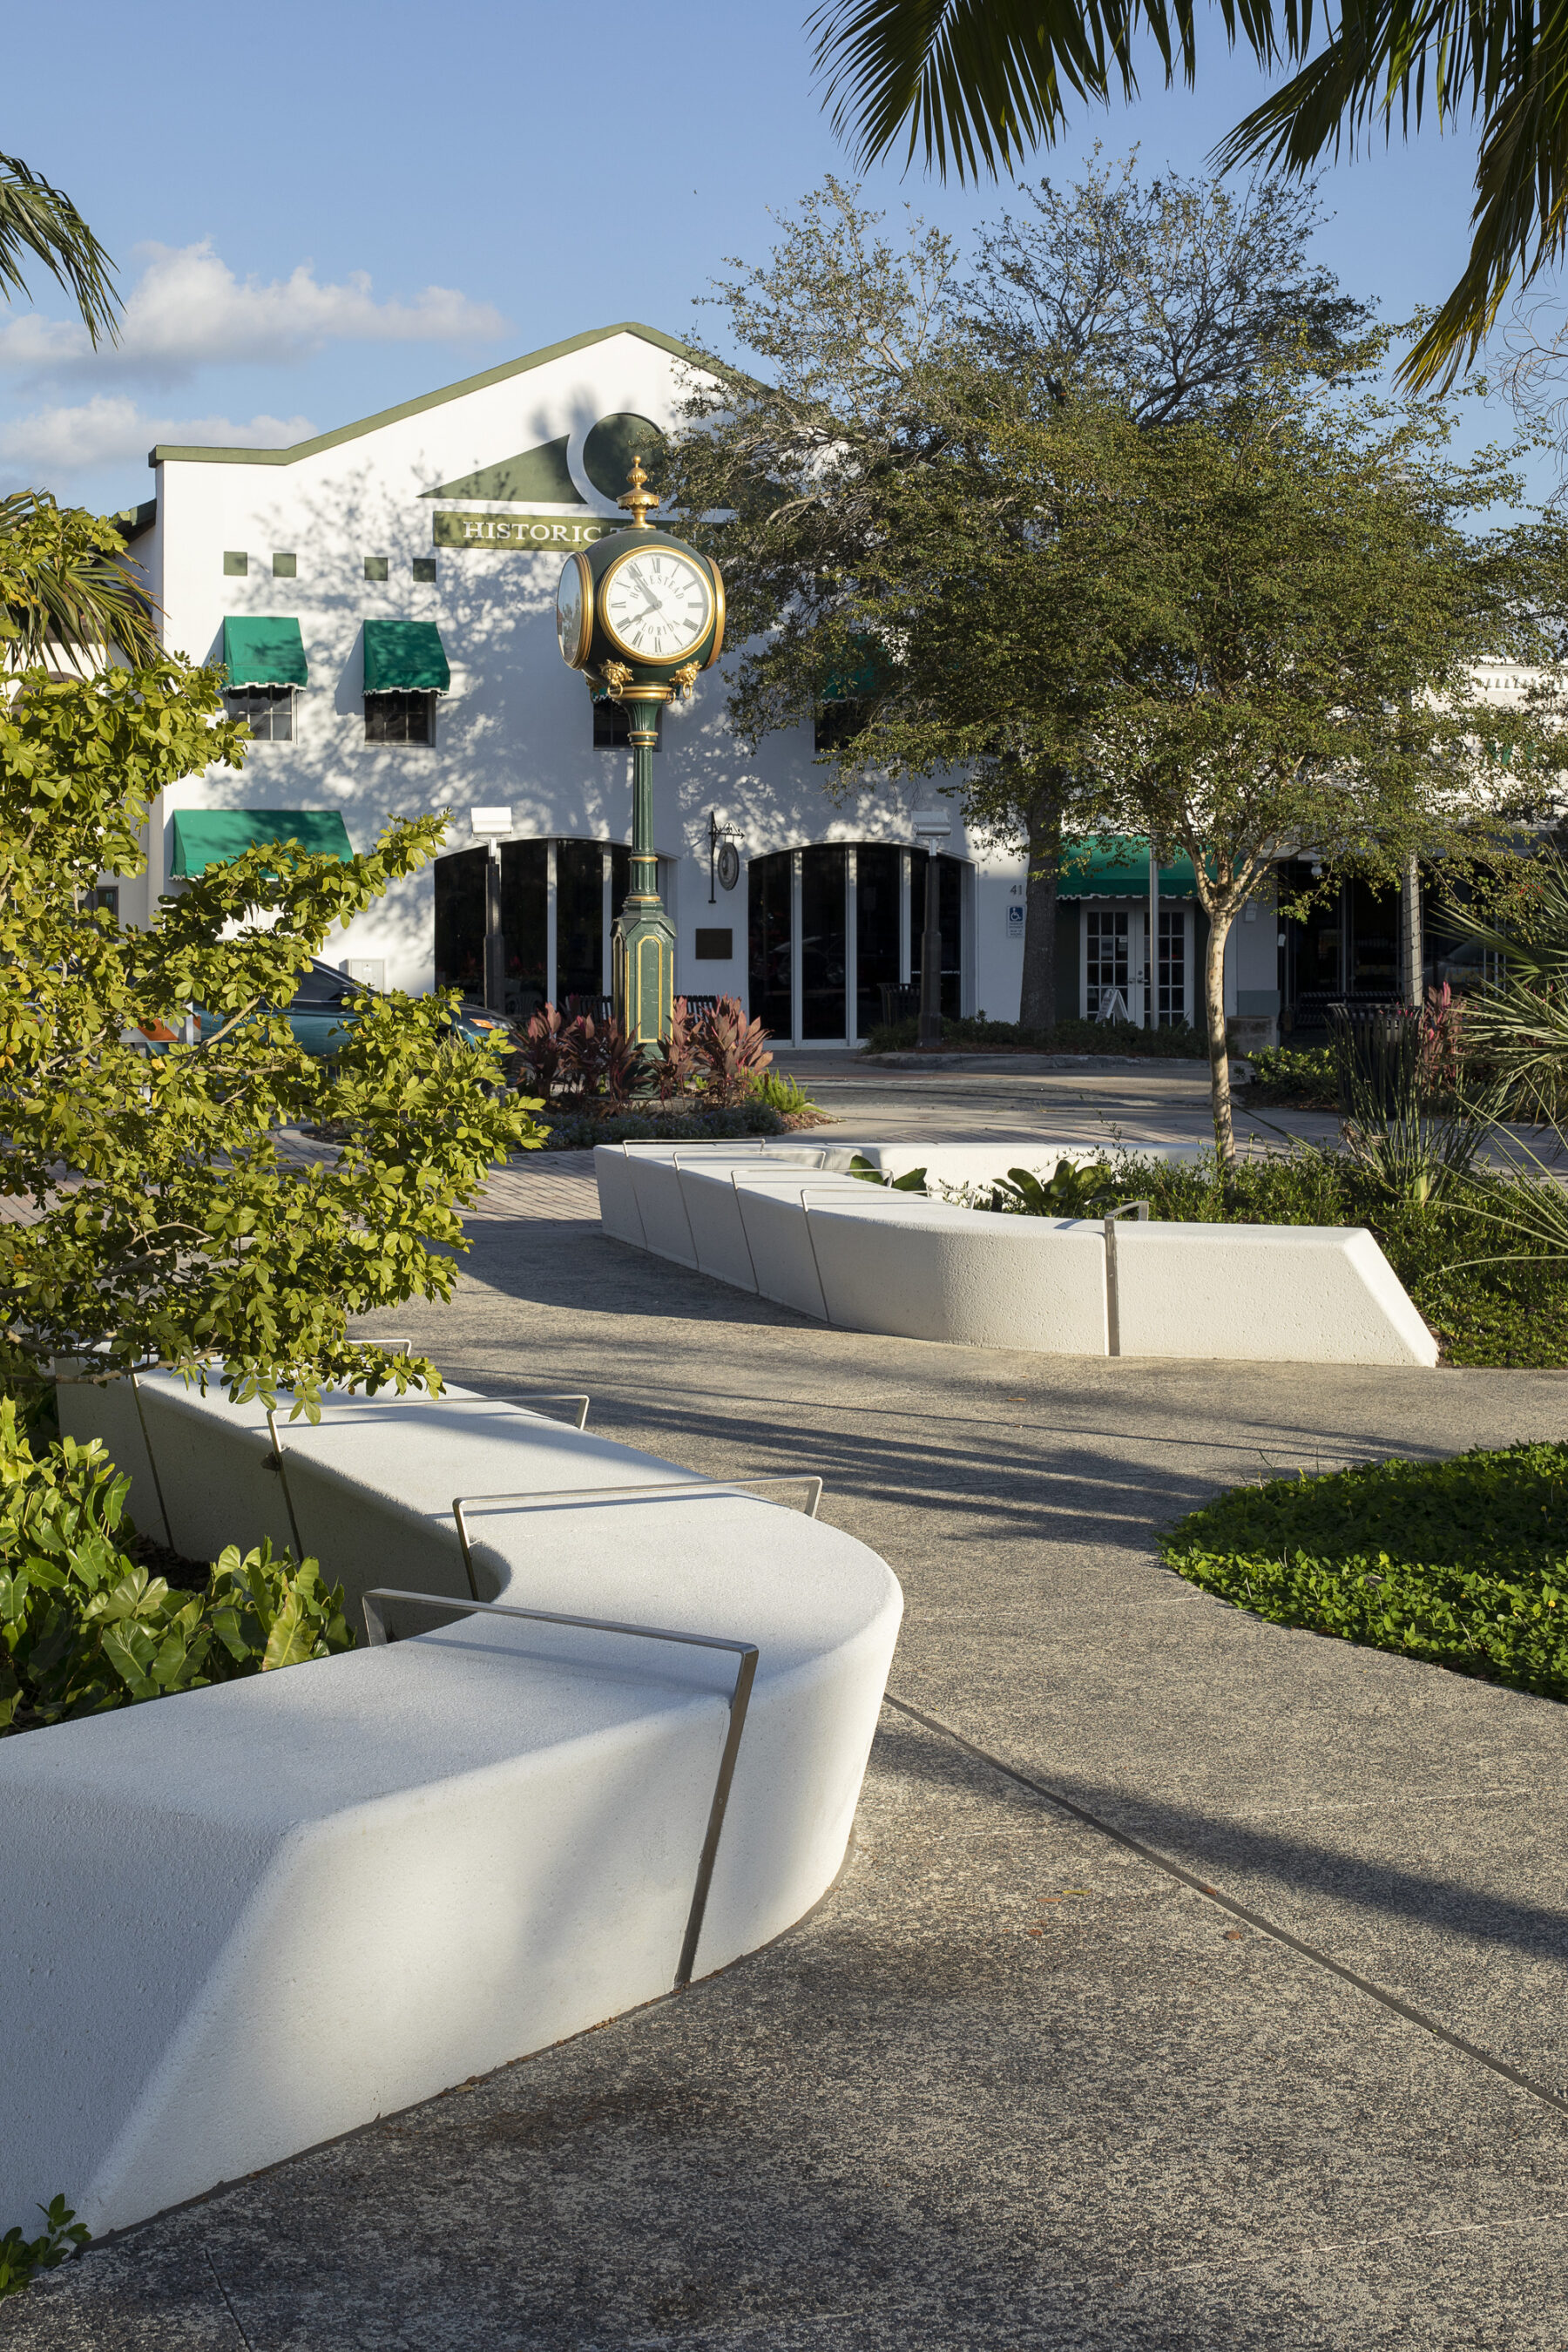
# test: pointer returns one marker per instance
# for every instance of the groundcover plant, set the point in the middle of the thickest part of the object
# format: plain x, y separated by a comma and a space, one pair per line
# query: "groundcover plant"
1461, 1563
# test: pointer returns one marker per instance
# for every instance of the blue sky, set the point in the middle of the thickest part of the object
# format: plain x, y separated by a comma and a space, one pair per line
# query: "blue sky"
322, 210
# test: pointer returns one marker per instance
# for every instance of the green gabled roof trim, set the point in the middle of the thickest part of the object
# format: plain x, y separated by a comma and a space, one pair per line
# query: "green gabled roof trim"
132, 522
175, 452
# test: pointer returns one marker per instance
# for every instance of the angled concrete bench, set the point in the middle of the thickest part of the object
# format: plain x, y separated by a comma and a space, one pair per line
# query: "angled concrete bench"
799, 1232
242, 1920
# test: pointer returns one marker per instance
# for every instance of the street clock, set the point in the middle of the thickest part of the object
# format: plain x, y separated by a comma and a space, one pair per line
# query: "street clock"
641, 612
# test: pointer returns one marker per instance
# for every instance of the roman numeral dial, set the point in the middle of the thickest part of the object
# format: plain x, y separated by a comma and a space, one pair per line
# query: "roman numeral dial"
658, 604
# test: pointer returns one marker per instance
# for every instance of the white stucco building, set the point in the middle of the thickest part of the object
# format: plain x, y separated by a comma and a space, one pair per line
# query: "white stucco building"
384, 597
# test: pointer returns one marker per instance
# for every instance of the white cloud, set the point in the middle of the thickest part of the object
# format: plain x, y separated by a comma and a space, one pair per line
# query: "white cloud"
188, 310
113, 428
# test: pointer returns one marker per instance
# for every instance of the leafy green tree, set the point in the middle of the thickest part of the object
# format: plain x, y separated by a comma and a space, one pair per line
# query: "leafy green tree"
1294, 605
976, 83
175, 1223
863, 482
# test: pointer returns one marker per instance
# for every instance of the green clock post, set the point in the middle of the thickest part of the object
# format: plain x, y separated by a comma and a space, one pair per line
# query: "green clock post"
641, 614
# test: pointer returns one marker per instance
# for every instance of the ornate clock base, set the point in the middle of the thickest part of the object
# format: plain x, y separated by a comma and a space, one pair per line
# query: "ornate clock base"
642, 972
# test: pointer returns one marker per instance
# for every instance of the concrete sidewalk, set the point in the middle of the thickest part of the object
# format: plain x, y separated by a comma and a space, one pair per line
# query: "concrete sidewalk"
1018, 2081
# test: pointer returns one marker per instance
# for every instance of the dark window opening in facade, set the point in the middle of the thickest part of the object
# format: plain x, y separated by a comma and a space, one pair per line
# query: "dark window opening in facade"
611, 726
107, 898
838, 724
376, 567
400, 718
268, 710
424, 569
285, 566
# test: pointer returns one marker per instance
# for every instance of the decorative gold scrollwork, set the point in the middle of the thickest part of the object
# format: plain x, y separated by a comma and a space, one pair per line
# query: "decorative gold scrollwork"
617, 676
685, 678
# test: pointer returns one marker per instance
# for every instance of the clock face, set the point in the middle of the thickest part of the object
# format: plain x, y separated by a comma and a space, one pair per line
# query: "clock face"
658, 604
573, 612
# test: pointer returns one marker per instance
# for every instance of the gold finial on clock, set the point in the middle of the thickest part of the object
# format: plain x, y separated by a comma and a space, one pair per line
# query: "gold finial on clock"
639, 498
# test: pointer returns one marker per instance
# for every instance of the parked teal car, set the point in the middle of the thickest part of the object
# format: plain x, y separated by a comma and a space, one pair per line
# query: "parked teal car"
319, 1014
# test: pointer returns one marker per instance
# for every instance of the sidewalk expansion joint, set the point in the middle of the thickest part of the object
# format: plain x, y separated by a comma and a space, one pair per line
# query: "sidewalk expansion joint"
1265, 1927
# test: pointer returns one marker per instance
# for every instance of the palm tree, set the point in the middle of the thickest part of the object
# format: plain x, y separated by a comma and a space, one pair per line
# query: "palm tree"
62, 592
977, 82
39, 219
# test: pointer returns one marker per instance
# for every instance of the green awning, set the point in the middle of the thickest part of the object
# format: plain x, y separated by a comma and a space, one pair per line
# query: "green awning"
405, 657
259, 652
1117, 866
204, 837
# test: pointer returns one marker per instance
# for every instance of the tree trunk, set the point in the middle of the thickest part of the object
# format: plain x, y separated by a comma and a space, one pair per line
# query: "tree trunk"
1219, 1055
1037, 1002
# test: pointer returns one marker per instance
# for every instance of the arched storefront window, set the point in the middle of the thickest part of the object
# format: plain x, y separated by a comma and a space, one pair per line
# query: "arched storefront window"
834, 937
558, 899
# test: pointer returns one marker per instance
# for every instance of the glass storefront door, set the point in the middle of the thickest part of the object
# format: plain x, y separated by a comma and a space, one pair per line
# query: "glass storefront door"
823, 937
809, 907
769, 961
878, 884
579, 920
950, 917
581, 940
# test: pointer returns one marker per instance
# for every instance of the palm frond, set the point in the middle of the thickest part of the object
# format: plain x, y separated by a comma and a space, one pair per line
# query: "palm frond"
978, 83
41, 220
66, 589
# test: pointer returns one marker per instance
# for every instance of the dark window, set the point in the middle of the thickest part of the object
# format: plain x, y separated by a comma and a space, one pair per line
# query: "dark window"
770, 957
715, 946
376, 567
236, 563
400, 718
612, 725
425, 568
269, 709
284, 566
876, 886
837, 724
108, 898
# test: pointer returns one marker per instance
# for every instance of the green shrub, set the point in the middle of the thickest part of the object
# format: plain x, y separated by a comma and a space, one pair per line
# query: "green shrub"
21, 2259
785, 1096
1117, 1038
1295, 1074
579, 1132
1462, 1563
84, 1626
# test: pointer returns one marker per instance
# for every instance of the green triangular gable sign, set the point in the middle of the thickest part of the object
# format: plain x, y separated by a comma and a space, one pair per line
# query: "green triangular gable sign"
537, 476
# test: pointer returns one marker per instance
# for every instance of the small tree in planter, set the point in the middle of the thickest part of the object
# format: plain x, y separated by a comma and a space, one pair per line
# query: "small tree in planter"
173, 1224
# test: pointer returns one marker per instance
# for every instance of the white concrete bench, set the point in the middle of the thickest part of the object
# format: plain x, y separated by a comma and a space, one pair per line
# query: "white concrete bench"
797, 1230
242, 1920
